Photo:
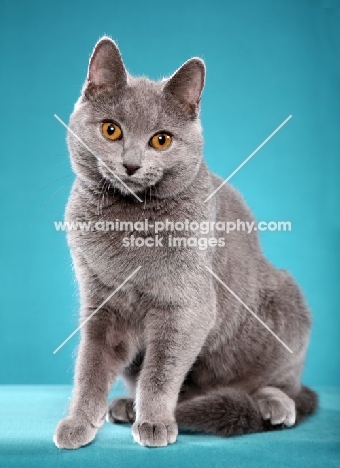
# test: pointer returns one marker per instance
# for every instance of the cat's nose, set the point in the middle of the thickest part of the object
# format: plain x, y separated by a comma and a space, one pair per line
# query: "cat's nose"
130, 168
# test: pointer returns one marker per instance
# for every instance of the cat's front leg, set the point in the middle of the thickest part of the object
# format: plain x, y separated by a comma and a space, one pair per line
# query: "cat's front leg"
101, 356
173, 340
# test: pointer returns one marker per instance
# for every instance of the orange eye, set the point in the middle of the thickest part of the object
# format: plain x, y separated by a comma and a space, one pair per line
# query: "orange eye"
111, 131
160, 141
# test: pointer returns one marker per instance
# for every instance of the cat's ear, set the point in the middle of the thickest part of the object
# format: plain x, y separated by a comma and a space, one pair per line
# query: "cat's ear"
106, 66
187, 83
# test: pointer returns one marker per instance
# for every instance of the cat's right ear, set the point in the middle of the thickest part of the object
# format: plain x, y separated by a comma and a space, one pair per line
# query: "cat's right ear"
106, 67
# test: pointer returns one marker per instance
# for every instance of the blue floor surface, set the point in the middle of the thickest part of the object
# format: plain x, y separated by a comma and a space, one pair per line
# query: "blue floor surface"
29, 414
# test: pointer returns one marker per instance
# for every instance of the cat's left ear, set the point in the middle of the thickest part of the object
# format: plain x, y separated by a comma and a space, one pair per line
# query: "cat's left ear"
186, 85
106, 66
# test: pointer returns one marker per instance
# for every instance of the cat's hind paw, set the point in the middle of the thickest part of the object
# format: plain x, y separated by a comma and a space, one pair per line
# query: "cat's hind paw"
278, 411
155, 434
121, 410
72, 434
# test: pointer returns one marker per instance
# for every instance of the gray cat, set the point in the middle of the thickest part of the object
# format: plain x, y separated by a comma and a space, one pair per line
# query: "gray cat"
190, 353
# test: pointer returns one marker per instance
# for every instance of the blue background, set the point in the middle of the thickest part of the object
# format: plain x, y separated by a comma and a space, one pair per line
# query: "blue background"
265, 60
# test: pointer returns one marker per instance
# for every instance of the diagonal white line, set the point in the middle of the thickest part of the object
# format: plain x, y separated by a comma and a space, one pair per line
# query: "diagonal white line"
97, 157
249, 310
99, 307
249, 157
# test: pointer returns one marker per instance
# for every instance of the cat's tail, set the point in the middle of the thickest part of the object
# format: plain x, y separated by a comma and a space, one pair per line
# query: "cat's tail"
306, 403
228, 412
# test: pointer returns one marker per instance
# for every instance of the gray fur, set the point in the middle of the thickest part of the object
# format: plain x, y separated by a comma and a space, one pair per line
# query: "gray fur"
186, 348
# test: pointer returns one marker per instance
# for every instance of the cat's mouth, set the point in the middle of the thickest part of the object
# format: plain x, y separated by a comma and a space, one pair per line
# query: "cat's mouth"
137, 184
140, 179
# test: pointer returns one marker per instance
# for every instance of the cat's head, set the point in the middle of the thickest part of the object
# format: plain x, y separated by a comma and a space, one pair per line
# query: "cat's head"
145, 133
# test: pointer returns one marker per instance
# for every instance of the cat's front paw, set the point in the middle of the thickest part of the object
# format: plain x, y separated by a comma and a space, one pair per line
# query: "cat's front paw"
155, 434
72, 433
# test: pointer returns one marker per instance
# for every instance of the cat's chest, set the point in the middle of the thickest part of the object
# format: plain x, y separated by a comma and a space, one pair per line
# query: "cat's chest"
118, 243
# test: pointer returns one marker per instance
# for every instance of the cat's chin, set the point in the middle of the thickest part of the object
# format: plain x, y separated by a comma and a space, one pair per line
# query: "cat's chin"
136, 187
